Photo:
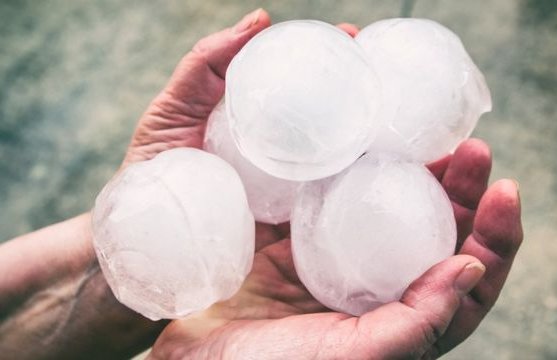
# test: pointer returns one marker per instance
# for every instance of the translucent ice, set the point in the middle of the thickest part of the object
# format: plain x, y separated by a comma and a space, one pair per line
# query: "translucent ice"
433, 93
361, 237
174, 235
270, 198
301, 98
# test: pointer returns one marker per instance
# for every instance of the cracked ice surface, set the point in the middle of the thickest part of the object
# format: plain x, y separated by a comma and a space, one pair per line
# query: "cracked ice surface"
174, 234
433, 93
361, 237
301, 97
270, 198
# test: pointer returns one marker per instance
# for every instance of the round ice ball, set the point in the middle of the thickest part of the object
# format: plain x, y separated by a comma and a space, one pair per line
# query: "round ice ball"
270, 198
174, 234
361, 237
301, 99
433, 93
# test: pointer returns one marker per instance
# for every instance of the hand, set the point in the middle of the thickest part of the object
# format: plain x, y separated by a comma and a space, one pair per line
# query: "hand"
273, 315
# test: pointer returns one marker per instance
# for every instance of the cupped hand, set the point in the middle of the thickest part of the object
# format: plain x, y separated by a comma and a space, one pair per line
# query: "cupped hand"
273, 316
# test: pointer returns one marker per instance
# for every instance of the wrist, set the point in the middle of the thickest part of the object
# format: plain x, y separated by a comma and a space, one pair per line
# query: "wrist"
55, 302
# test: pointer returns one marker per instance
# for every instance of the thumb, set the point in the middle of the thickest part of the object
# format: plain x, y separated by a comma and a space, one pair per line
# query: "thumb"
409, 328
197, 84
177, 116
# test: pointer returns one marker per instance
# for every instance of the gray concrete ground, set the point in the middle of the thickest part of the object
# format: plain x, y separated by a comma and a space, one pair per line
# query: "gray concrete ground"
75, 76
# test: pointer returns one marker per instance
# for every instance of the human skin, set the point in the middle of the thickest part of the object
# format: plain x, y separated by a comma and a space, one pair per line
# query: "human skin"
55, 303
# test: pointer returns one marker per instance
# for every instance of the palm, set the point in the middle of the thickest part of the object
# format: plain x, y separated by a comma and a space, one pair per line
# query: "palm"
273, 312
274, 301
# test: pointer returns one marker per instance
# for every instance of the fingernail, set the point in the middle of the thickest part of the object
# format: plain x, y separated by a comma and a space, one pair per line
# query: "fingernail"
248, 21
469, 277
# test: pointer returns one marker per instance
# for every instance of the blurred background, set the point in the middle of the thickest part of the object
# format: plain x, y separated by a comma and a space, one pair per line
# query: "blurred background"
76, 75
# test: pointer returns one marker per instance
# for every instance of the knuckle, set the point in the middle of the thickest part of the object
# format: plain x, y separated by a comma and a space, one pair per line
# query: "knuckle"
202, 47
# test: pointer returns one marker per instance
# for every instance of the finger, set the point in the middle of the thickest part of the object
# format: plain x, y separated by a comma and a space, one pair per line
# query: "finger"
407, 329
351, 29
397, 330
496, 237
465, 181
438, 167
177, 116
198, 80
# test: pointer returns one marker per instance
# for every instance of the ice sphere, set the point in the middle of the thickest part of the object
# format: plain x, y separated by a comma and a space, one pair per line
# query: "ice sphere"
361, 237
301, 98
270, 198
433, 93
174, 234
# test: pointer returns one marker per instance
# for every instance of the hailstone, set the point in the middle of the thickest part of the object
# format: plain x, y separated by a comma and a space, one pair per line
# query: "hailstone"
361, 237
301, 98
174, 234
270, 198
433, 93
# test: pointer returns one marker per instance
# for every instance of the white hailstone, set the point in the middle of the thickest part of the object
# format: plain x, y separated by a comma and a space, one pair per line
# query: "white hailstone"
361, 237
270, 198
174, 234
433, 93
301, 97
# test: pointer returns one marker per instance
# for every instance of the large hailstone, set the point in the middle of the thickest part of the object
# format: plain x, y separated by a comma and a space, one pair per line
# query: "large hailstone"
433, 93
270, 198
361, 237
301, 98
174, 234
